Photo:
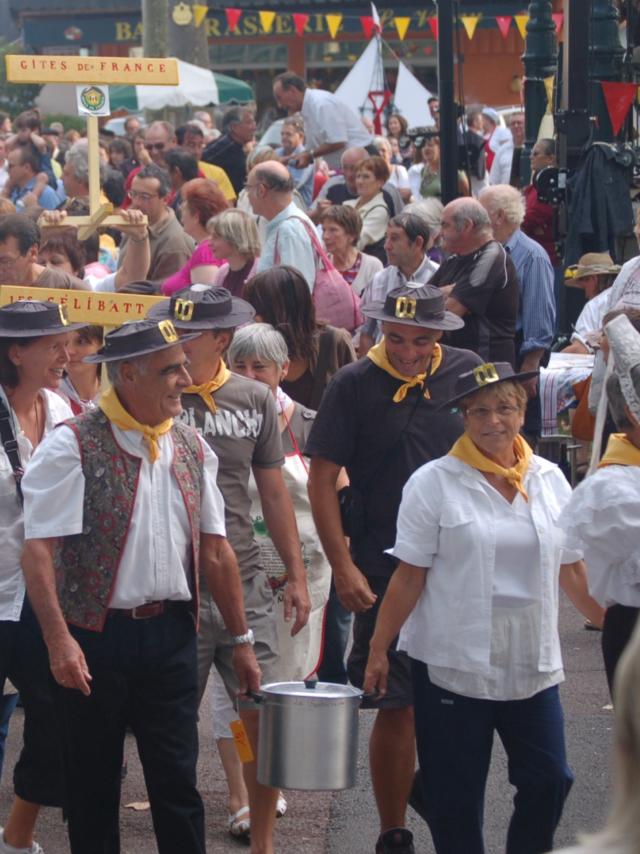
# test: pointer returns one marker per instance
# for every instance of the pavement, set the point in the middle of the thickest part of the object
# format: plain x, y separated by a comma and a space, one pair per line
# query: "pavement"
346, 822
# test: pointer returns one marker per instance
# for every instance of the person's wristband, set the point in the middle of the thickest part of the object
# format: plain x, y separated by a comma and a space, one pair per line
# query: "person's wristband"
139, 239
312, 154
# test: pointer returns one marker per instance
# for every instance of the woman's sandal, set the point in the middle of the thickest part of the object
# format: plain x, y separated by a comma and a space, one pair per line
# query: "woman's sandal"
240, 823
281, 806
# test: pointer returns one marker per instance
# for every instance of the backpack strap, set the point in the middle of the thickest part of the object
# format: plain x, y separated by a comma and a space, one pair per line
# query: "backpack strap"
10, 446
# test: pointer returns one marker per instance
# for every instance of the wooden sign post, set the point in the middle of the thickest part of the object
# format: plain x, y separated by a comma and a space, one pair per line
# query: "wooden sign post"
98, 70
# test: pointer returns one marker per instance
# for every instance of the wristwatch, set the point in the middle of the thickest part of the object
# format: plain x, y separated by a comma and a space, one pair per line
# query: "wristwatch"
248, 637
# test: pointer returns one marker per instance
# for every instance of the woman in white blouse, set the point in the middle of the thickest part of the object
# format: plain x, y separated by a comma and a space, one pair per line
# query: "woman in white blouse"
33, 340
371, 176
476, 595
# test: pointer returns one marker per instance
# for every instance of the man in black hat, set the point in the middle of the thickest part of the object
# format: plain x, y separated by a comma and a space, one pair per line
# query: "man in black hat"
123, 511
380, 419
237, 417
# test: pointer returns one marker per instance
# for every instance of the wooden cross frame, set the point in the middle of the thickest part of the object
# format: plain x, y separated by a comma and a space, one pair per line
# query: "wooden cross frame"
99, 70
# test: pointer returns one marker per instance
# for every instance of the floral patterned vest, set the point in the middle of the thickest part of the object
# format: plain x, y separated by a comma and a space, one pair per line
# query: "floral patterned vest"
87, 563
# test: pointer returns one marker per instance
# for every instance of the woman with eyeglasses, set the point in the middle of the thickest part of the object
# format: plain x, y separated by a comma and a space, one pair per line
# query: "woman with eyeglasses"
475, 599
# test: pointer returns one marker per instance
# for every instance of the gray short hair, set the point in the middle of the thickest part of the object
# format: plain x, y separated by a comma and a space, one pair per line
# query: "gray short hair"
114, 368
472, 211
78, 158
507, 199
239, 229
152, 170
258, 340
260, 154
234, 115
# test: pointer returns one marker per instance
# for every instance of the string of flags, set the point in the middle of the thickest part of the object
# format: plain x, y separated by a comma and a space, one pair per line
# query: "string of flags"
370, 23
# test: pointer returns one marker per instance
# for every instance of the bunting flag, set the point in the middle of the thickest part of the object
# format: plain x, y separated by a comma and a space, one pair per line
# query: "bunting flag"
548, 85
233, 18
558, 20
618, 97
433, 23
521, 24
503, 22
367, 25
199, 14
333, 24
266, 21
402, 25
470, 22
300, 21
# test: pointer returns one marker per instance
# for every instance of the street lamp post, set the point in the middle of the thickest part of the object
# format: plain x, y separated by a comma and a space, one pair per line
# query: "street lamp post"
605, 62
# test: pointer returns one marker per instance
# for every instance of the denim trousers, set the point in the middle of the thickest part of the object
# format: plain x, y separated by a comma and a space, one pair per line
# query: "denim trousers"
455, 738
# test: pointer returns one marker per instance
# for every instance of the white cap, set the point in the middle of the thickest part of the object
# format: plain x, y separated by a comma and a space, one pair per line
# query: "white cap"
492, 114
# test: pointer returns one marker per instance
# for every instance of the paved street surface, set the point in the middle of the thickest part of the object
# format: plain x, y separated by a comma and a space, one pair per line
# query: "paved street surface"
346, 821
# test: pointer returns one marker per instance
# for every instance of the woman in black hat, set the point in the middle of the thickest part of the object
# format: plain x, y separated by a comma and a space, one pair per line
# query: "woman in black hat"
33, 341
476, 596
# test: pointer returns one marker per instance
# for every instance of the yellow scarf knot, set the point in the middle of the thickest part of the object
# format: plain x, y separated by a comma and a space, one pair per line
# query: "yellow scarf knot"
378, 356
620, 452
118, 415
205, 390
464, 449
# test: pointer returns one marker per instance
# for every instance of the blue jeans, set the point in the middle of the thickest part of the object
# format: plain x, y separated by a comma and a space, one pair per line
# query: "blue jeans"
455, 737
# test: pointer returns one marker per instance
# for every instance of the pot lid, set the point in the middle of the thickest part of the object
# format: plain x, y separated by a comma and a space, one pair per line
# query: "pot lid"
312, 689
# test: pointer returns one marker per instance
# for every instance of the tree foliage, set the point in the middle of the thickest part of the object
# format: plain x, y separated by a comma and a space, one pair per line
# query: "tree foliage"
15, 97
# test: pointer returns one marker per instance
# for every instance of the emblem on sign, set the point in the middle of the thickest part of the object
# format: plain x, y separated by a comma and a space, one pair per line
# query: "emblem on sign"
182, 15
168, 331
406, 307
486, 374
93, 100
183, 309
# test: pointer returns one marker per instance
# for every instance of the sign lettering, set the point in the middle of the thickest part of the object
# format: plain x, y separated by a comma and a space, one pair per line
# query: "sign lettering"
90, 307
91, 69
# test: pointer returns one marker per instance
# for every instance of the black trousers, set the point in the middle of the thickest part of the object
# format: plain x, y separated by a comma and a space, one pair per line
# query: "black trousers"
24, 660
145, 676
619, 623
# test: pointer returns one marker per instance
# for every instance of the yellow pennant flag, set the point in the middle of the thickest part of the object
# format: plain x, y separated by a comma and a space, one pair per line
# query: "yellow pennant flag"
266, 20
470, 22
402, 25
199, 14
548, 85
521, 24
333, 22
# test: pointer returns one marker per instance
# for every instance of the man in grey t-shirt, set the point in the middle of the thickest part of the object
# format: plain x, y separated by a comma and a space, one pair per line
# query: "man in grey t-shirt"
238, 419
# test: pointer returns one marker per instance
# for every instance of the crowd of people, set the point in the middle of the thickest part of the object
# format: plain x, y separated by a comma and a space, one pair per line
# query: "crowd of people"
319, 441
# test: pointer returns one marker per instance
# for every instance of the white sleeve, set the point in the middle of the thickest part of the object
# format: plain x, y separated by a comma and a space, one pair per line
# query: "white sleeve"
418, 520
53, 487
415, 179
212, 503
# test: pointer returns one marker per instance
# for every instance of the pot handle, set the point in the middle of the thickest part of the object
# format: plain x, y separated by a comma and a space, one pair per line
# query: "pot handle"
256, 696
311, 684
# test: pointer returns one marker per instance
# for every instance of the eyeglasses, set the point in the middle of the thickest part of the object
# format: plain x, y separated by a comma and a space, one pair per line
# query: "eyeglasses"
482, 413
158, 146
143, 197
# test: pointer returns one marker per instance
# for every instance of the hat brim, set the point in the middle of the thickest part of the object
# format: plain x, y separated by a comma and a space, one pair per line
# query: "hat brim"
448, 323
100, 356
515, 378
241, 313
40, 333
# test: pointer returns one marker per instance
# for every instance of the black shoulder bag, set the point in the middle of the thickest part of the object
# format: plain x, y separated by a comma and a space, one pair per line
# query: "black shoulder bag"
10, 446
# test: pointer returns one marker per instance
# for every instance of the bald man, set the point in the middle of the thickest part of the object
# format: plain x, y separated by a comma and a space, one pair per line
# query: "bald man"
288, 241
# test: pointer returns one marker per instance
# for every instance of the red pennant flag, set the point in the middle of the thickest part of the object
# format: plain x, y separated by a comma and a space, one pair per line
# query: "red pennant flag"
299, 22
233, 16
503, 22
368, 25
433, 23
558, 20
618, 97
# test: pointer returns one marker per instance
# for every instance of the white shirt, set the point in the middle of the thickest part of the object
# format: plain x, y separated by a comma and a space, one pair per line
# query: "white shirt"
375, 217
603, 519
590, 318
328, 120
293, 244
11, 515
447, 522
157, 551
399, 177
4, 175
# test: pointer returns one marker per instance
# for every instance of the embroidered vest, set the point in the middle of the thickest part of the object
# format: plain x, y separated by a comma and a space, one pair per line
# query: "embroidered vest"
87, 563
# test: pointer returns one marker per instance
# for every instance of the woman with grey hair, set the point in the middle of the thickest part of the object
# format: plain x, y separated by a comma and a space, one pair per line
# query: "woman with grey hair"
234, 239
602, 518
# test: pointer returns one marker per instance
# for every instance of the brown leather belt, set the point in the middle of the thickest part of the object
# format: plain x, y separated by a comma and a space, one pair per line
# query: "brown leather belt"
142, 612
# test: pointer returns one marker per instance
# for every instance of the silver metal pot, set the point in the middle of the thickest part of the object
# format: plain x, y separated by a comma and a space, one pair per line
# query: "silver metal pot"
308, 735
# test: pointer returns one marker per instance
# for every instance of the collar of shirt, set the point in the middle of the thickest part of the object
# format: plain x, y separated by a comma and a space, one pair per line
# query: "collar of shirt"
421, 274
290, 210
19, 192
513, 241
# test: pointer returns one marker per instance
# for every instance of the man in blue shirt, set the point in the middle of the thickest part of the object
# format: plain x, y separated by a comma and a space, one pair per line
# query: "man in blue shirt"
292, 136
24, 165
535, 325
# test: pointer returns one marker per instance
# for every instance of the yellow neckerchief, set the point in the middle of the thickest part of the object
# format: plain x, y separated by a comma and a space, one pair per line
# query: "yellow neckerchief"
464, 449
620, 452
378, 356
205, 390
116, 413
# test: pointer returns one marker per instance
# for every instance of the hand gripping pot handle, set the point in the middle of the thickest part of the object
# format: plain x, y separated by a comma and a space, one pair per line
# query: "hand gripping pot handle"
308, 735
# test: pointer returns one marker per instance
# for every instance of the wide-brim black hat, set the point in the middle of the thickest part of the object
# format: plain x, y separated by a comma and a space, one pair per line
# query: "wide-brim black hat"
201, 307
414, 304
138, 338
485, 376
33, 318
